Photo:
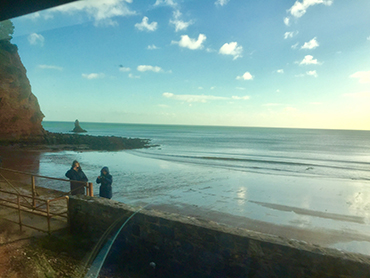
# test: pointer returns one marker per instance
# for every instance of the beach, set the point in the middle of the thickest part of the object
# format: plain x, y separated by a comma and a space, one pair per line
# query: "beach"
327, 212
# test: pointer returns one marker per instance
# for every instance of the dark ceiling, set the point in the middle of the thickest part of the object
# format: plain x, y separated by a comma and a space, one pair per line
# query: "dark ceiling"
14, 8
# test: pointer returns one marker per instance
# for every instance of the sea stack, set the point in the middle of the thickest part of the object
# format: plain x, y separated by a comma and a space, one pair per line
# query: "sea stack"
78, 128
20, 114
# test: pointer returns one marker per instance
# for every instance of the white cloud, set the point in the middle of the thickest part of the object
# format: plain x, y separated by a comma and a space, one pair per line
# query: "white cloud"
50, 67
312, 44
312, 73
309, 60
272, 104
221, 2
36, 39
300, 8
231, 49
290, 34
368, 38
294, 46
358, 95
151, 47
245, 76
170, 3
240, 98
287, 21
193, 98
144, 25
179, 24
280, 71
143, 68
124, 69
290, 109
316, 103
101, 10
35, 16
309, 73
240, 88
362, 76
201, 98
191, 43
133, 76
93, 75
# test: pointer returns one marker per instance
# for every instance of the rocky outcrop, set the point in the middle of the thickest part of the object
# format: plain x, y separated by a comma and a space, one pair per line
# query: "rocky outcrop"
50, 141
78, 128
20, 114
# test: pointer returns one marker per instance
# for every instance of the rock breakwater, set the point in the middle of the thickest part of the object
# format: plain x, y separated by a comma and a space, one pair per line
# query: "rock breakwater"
63, 141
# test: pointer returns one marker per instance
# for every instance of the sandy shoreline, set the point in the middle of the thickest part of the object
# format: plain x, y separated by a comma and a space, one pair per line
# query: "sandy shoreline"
325, 212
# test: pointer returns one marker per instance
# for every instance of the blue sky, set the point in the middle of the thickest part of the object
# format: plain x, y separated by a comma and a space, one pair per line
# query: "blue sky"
266, 63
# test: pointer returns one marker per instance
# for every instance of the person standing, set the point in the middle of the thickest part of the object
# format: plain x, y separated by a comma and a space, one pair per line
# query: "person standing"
76, 175
106, 180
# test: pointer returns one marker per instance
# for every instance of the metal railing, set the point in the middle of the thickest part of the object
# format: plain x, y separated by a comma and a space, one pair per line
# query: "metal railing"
34, 205
43, 210
88, 185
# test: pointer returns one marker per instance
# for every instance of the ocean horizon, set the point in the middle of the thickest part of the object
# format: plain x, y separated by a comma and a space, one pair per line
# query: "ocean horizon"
312, 181
71, 123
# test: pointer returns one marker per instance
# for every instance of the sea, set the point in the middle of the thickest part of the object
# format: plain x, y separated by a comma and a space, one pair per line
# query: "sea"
310, 184
323, 153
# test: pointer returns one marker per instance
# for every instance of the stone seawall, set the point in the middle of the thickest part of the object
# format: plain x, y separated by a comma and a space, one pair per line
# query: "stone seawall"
159, 244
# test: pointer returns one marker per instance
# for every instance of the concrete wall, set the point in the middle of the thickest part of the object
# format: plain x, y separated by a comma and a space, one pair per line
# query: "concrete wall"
187, 247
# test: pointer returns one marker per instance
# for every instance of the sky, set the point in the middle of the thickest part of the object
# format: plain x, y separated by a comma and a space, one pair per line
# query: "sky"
272, 63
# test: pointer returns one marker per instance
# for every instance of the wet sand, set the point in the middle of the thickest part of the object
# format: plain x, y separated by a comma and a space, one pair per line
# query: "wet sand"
321, 237
326, 212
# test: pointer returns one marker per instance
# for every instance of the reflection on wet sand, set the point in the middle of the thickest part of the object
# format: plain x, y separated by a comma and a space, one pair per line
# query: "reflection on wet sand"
20, 160
333, 216
322, 237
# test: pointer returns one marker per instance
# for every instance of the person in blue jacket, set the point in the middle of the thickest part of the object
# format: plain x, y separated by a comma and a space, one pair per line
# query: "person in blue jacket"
106, 180
76, 174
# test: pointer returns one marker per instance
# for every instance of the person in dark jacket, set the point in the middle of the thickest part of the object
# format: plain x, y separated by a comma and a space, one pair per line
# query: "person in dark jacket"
106, 180
76, 174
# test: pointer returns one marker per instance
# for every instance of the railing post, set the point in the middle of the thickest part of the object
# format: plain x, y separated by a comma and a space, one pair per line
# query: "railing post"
48, 215
19, 212
33, 191
90, 190
68, 215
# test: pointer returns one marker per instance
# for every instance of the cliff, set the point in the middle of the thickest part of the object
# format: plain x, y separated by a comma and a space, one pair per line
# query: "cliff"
20, 114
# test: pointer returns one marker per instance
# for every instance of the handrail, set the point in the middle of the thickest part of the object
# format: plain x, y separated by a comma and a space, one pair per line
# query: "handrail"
38, 176
43, 213
88, 185
33, 208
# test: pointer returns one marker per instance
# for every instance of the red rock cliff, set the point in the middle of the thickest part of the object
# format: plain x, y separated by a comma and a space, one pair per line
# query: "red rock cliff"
20, 114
